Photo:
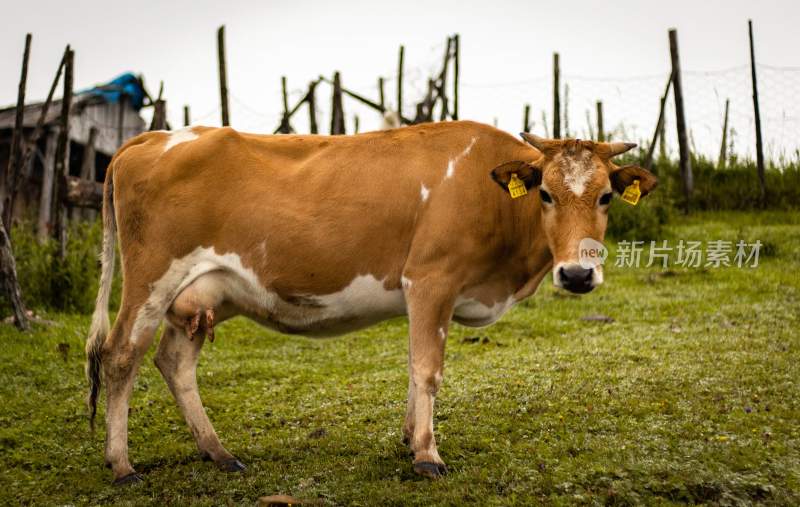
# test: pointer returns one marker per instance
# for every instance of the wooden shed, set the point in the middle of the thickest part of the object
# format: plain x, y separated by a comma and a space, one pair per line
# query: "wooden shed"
101, 120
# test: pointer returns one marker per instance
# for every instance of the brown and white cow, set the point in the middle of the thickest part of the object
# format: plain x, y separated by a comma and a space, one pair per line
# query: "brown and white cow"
319, 235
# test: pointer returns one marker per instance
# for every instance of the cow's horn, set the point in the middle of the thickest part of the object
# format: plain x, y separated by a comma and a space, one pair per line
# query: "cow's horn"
540, 143
615, 149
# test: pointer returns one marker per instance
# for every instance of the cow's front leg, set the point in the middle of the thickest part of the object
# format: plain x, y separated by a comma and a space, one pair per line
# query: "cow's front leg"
429, 317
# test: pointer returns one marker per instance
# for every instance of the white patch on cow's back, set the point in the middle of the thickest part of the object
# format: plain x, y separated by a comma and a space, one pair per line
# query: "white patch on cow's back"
442, 333
451, 168
471, 312
262, 250
365, 300
177, 137
424, 192
453, 162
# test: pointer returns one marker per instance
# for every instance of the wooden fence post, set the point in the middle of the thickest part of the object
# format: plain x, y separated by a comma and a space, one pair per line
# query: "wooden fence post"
223, 76
355, 124
46, 198
526, 122
187, 117
337, 109
683, 139
380, 93
442, 91
659, 130
400, 82
10, 283
456, 63
428, 103
62, 157
12, 172
723, 148
601, 133
8, 266
312, 107
556, 98
30, 148
566, 110
757, 112
159, 121
285, 127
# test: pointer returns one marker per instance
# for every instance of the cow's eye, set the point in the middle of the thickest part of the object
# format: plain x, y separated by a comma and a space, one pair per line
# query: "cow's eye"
545, 196
605, 198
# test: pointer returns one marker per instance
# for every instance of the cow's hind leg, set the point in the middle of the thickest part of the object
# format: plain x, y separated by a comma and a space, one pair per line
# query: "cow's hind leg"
122, 353
177, 358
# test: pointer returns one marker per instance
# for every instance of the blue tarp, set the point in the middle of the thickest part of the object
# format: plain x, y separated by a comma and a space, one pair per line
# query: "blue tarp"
127, 84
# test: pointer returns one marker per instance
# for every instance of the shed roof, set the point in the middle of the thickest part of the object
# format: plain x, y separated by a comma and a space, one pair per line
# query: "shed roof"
127, 85
97, 107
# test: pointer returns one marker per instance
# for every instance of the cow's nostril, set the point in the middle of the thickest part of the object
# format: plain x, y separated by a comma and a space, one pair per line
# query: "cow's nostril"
576, 278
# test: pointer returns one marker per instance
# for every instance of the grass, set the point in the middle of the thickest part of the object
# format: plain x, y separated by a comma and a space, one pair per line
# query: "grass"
689, 396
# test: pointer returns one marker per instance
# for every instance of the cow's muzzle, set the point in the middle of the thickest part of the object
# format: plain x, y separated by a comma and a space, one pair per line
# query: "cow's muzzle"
575, 278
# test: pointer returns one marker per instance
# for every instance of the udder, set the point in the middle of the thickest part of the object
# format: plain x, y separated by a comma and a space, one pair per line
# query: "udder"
473, 313
200, 305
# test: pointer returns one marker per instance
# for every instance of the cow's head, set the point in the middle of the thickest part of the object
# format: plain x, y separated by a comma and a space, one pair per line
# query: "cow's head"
576, 180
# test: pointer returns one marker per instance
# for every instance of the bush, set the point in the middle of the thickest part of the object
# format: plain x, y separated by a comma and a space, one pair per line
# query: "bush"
643, 222
48, 282
734, 187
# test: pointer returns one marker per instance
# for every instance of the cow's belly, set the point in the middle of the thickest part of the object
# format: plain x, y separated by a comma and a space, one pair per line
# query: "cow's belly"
205, 279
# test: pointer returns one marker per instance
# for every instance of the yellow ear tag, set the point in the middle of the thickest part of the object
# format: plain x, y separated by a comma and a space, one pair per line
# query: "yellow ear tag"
632, 193
516, 187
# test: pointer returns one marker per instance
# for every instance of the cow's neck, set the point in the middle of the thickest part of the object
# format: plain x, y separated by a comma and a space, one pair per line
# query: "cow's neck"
536, 255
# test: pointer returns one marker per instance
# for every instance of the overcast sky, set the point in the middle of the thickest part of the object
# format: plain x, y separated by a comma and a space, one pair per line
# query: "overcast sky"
506, 48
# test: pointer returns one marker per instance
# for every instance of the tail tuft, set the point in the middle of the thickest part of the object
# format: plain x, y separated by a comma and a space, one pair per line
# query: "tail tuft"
93, 366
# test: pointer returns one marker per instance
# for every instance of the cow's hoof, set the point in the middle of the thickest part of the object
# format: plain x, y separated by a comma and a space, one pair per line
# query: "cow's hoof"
430, 470
232, 465
128, 480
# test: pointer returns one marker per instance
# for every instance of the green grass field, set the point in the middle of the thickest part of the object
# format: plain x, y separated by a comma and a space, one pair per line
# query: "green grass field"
690, 395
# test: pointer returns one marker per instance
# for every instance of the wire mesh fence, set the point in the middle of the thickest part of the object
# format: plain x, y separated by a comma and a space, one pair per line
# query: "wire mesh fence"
630, 106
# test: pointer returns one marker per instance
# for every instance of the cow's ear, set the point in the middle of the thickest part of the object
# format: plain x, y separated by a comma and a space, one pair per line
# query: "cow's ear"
529, 174
621, 177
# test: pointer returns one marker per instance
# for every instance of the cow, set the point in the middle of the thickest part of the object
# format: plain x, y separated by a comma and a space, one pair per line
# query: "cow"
321, 235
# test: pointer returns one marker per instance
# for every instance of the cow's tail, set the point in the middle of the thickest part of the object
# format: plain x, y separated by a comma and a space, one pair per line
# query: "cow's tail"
100, 321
